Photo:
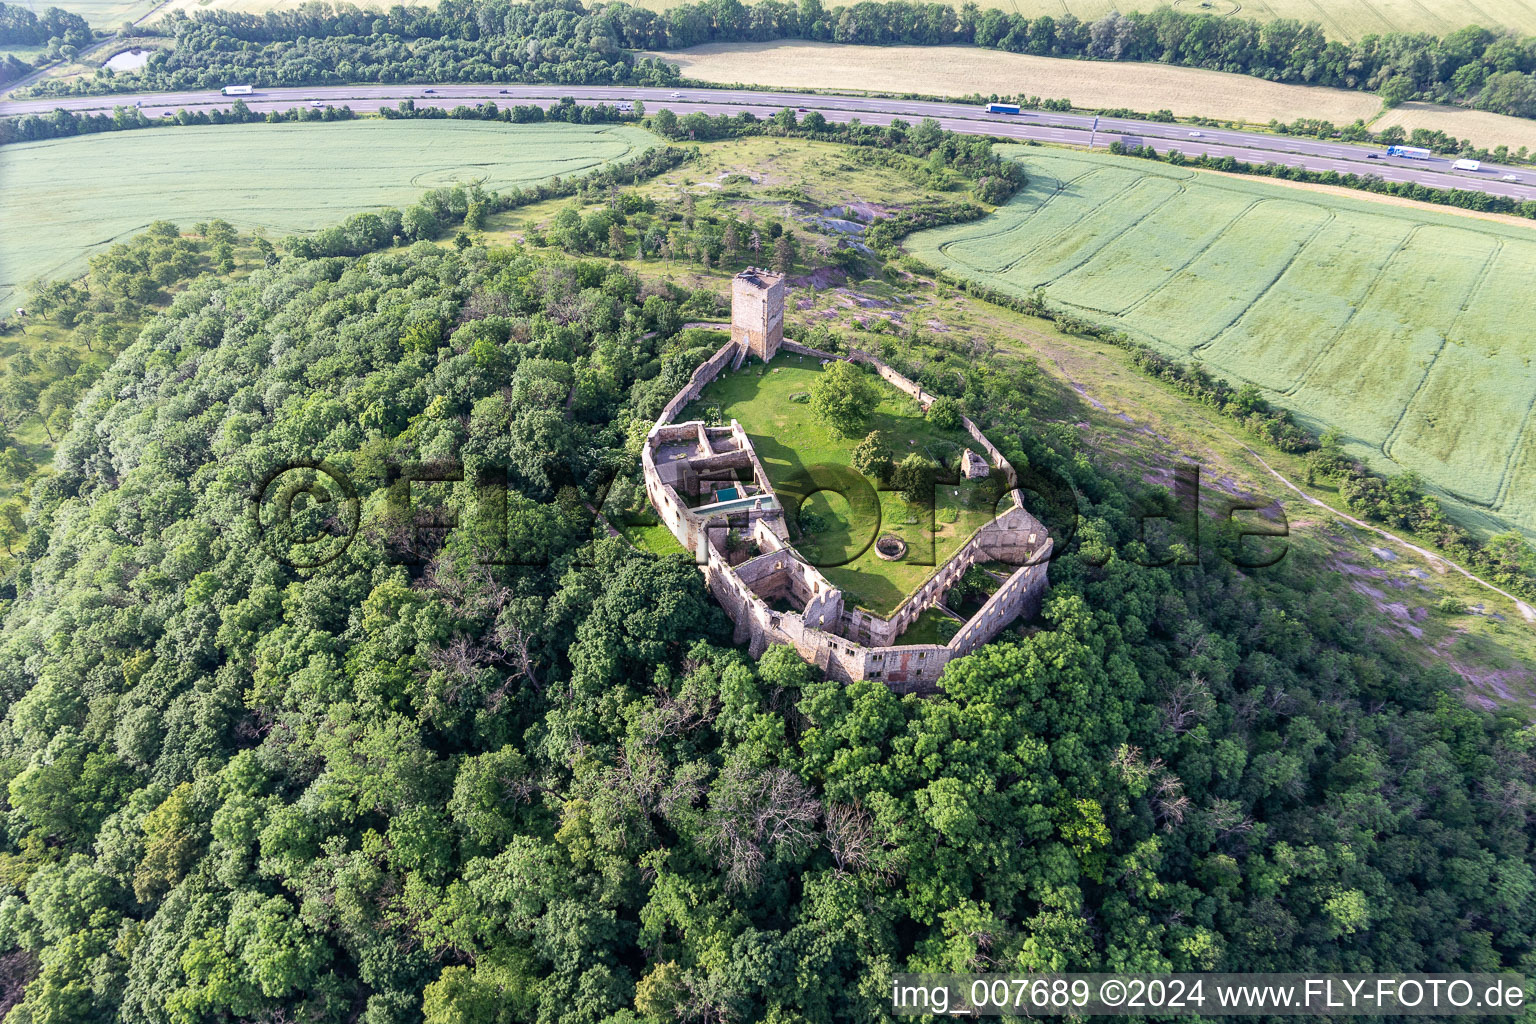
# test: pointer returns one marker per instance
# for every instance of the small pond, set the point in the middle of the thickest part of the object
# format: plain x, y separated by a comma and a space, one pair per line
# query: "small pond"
128, 60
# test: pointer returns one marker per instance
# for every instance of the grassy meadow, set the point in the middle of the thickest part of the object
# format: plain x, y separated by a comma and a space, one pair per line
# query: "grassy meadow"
65, 199
789, 440
1399, 326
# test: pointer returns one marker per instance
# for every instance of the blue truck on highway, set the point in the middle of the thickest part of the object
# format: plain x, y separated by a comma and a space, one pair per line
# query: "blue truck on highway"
1002, 108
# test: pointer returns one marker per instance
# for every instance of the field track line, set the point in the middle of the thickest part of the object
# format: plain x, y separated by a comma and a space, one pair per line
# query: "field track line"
1434, 559
1326, 18
1258, 298
1045, 241
1434, 18
1525, 7
1365, 299
1466, 303
1070, 227
1059, 190
1112, 239
1168, 279
1329, 219
1512, 460
1487, 21
1385, 21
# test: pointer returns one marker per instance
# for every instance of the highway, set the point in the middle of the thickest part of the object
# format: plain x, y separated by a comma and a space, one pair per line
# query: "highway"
1043, 126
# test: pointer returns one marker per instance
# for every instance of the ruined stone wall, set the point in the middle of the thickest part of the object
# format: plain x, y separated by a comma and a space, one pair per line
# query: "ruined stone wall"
805, 350
891, 377
759, 473
702, 375
1020, 595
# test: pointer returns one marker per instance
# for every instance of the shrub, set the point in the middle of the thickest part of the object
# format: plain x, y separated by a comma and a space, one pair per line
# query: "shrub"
913, 477
844, 398
873, 456
944, 413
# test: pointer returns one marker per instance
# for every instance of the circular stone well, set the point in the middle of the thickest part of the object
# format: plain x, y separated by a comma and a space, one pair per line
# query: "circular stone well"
890, 547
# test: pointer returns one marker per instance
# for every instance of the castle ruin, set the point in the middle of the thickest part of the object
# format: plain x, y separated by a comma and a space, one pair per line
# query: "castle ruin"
712, 491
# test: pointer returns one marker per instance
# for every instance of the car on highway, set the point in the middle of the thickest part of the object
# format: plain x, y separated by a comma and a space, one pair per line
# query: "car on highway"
503, 92
428, 92
802, 110
317, 103
1195, 135
677, 95
1373, 156
1510, 177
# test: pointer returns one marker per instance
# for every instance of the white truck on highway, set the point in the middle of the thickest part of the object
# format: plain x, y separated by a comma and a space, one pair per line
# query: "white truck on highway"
237, 90
1467, 165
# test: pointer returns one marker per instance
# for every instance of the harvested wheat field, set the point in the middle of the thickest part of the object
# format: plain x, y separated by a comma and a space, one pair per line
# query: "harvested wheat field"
1484, 129
963, 70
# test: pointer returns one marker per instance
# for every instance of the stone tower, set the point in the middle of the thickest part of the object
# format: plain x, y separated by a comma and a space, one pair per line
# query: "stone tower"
757, 312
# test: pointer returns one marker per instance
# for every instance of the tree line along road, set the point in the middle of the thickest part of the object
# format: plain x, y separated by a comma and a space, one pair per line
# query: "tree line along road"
1043, 126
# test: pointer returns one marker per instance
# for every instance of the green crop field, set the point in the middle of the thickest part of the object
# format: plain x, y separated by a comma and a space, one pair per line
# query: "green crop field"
1401, 327
789, 440
102, 14
68, 198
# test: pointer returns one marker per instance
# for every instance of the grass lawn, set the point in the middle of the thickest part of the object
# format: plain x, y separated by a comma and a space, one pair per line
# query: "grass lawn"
931, 627
789, 441
656, 539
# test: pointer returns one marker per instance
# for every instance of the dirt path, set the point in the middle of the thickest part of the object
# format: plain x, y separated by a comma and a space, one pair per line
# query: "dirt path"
1434, 559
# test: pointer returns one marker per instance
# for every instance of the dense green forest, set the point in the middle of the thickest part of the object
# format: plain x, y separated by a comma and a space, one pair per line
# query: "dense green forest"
21, 26
565, 41
58, 31
416, 783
